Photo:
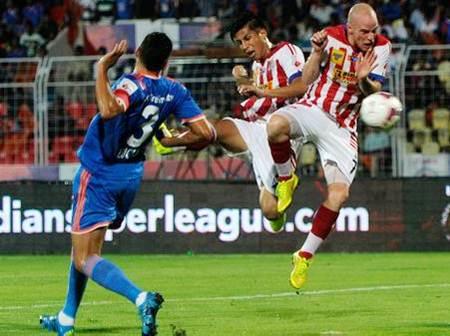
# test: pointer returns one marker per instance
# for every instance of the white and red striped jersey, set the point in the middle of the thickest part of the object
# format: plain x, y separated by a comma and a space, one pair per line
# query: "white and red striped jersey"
283, 64
336, 90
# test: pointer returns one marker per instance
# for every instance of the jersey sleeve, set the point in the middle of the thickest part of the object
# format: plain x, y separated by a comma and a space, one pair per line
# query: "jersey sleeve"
380, 72
292, 60
186, 109
127, 91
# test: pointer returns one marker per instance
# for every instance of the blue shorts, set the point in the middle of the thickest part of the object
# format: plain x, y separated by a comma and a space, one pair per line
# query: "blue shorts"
99, 202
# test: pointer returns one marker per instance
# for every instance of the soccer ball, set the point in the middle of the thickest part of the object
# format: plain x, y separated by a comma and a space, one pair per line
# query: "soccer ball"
381, 109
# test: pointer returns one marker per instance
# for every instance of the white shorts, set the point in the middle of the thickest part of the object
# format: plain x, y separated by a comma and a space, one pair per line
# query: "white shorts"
337, 146
254, 134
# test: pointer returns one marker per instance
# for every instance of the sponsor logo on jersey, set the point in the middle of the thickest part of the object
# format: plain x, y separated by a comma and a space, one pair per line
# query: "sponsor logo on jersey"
128, 86
338, 56
344, 77
161, 99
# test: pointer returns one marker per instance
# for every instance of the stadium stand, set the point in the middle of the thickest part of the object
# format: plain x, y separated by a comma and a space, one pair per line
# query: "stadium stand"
55, 94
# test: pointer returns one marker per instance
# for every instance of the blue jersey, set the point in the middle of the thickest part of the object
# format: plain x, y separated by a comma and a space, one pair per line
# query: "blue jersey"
115, 147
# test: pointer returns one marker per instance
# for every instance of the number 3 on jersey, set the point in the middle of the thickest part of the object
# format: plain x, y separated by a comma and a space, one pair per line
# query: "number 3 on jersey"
151, 114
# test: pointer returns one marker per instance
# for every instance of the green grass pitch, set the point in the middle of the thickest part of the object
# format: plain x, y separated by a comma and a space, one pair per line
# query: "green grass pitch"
243, 295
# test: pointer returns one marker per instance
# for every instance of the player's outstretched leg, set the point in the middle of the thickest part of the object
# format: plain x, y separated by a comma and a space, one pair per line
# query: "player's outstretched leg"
51, 323
299, 272
147, 312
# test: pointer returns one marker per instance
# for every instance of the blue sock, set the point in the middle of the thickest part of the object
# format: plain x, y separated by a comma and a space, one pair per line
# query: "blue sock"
75, 290
111, 277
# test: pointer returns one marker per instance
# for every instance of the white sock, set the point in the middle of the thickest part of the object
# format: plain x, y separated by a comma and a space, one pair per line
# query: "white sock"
284, 169
140, 298
65, 320
311, 243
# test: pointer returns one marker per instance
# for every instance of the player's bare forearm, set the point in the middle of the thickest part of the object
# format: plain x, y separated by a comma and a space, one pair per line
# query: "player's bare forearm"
199, 132
296, 89
311, 70
106, 101
369, 86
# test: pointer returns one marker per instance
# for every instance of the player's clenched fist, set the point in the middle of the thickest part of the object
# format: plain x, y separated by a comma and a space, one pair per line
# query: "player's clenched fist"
239, 71
319, 40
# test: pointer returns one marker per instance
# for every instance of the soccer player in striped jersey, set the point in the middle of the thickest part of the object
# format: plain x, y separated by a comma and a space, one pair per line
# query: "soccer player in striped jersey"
131, 111
273, 66
347, 63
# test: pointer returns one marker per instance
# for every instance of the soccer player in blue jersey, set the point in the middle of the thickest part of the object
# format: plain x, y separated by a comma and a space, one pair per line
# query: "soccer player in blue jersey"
131, 111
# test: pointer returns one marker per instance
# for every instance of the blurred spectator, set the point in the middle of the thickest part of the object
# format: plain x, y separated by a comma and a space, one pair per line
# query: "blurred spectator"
166, 8
321, 12
306, 28
375, 140
106, 11
73, 16
187, 8
89, 10
206, 7
15, 50
31, 40
145, 9
444, 75
376, 151
400, 33
47, 28
124, 9
224, 9
6, 124
42, 51
11, 14
445, 26
33, 12
79, 70
417, 17
57, 13
391, 10
395, 30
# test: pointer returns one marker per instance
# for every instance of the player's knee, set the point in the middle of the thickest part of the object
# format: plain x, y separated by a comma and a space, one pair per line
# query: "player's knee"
79, 262
338, 196
277, 127
84, 262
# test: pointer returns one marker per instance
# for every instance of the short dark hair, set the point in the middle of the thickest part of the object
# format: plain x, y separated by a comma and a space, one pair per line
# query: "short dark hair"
155, 50
247, 19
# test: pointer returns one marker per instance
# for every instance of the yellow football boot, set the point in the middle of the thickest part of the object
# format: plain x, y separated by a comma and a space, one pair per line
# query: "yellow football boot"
160, 148
299, 273
285, 191
277, 224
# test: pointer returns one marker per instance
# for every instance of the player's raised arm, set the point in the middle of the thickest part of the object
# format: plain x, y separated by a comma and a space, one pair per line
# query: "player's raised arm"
107, 103
311, 70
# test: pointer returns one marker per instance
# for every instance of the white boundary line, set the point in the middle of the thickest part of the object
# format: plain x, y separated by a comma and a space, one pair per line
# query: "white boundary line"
248, 297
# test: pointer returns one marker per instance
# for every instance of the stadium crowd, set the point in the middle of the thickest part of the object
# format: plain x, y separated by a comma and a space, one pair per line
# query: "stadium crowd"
27, 26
